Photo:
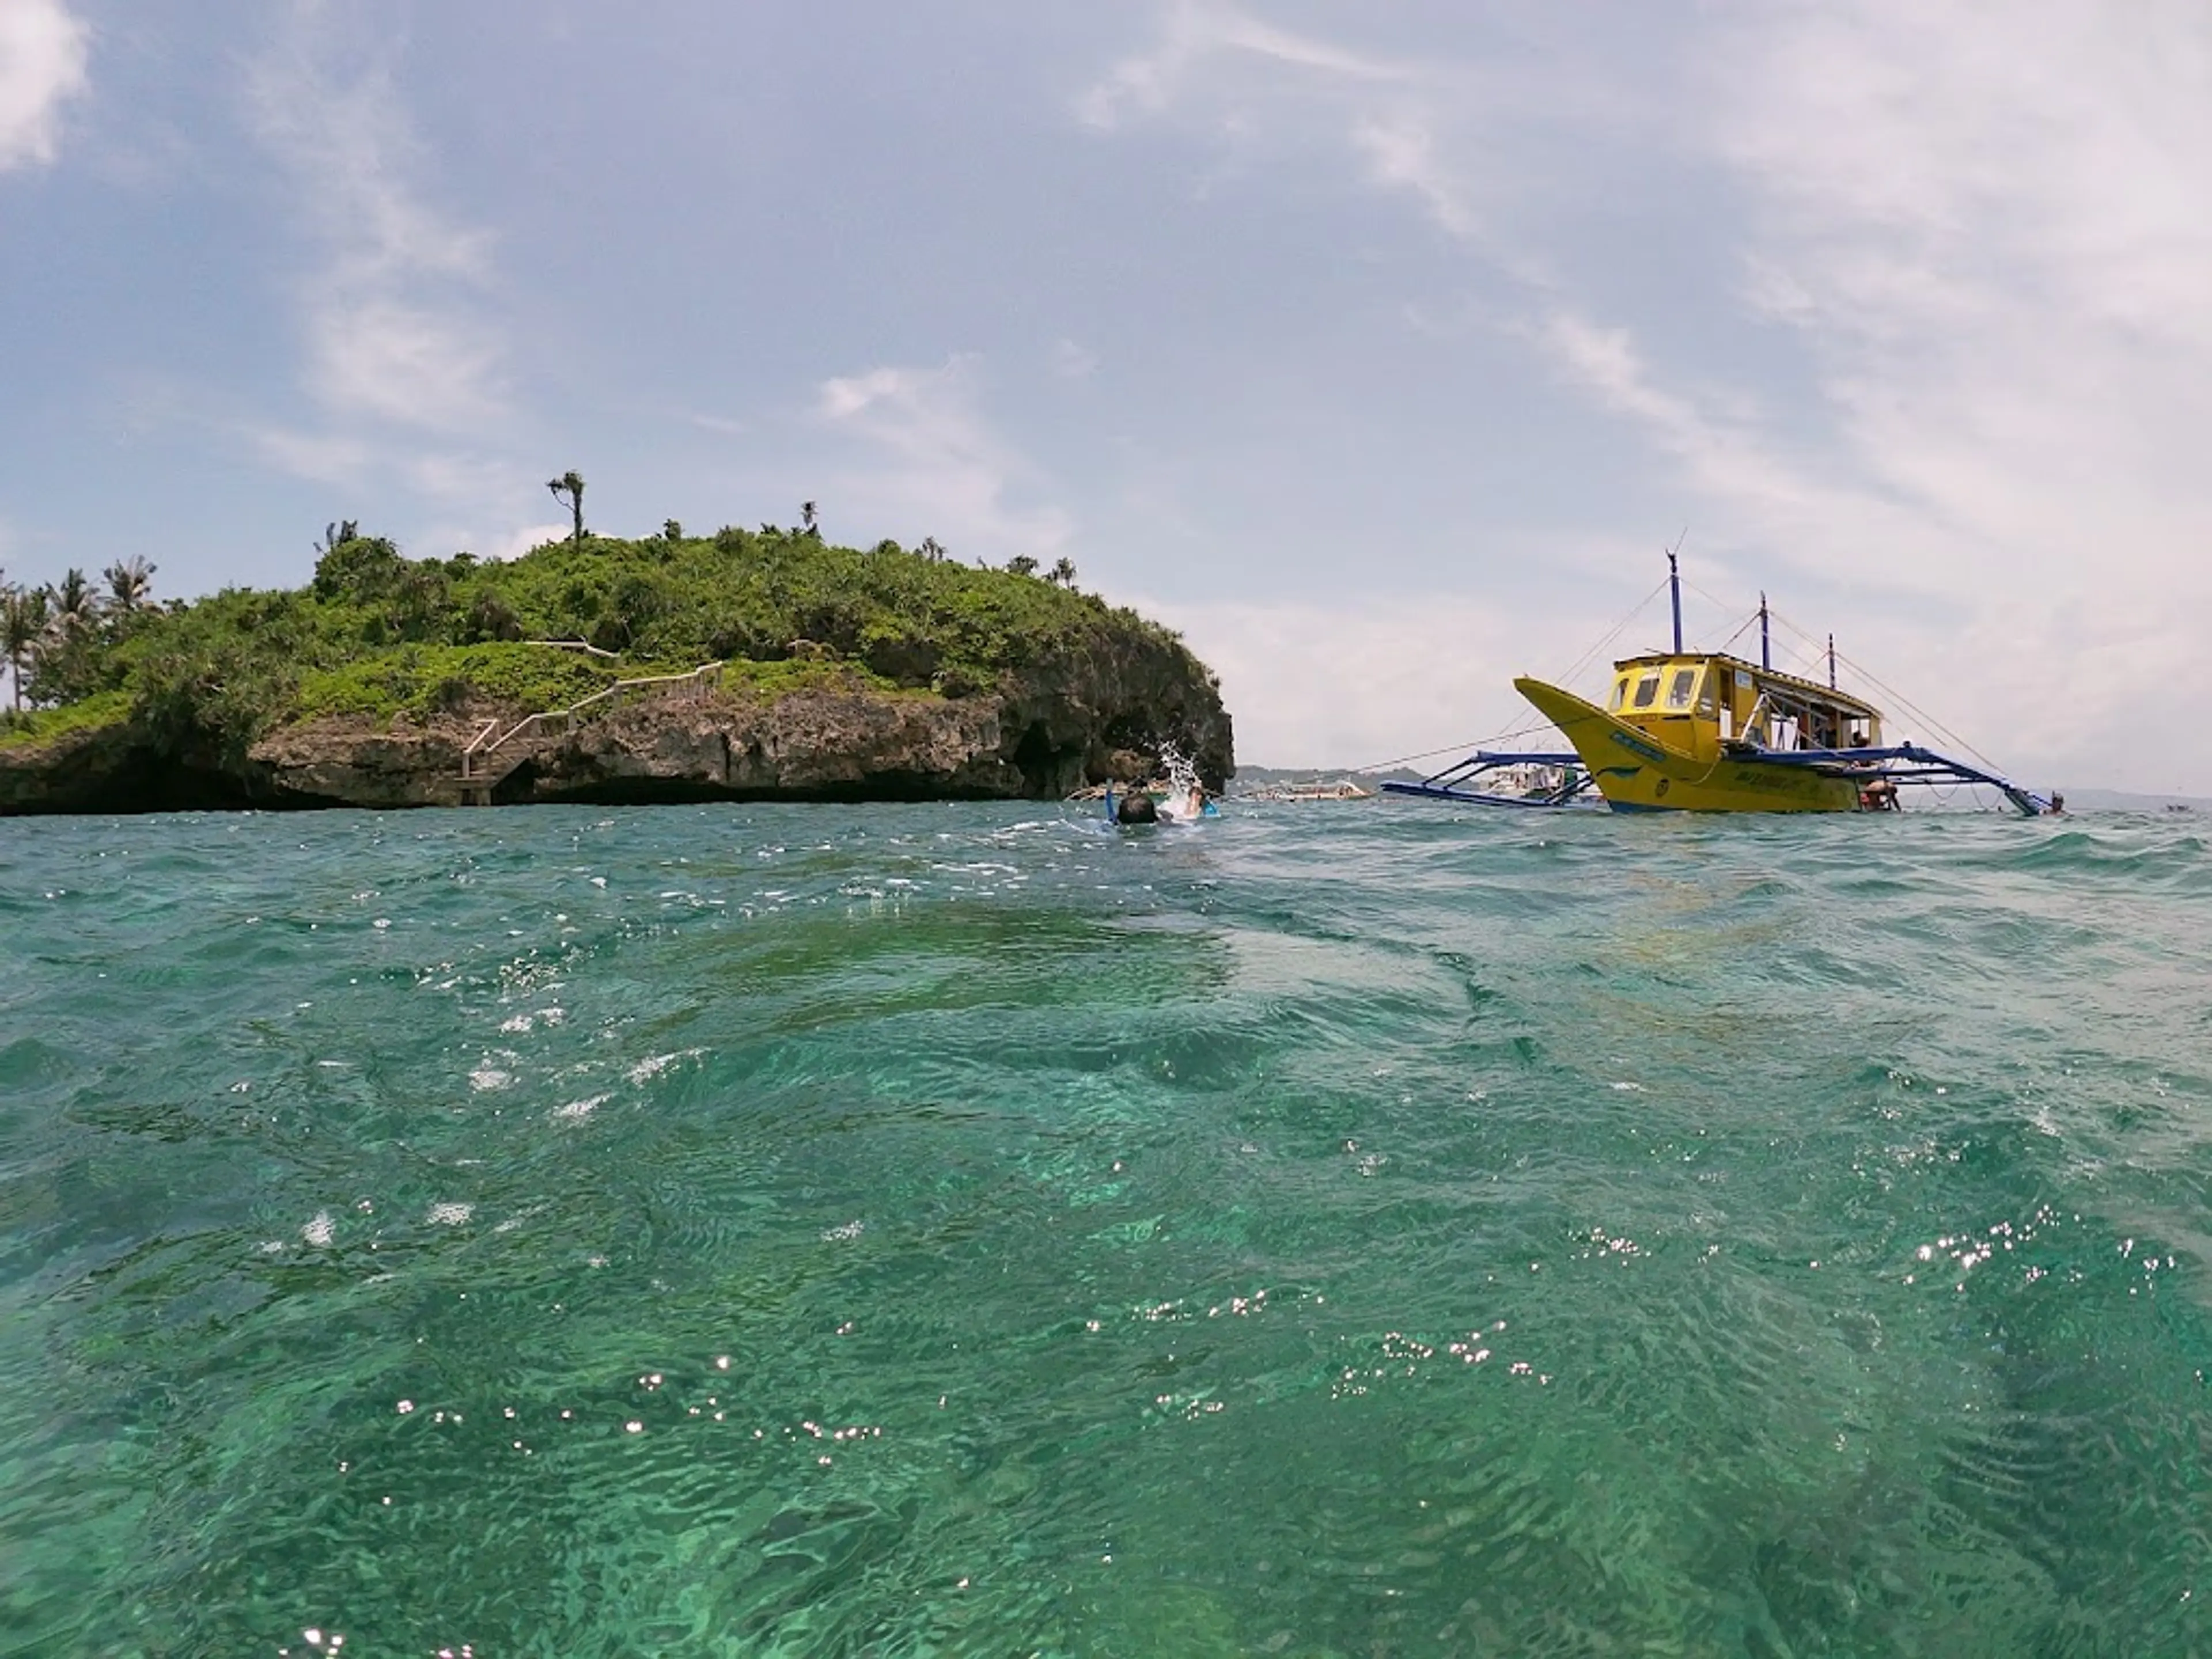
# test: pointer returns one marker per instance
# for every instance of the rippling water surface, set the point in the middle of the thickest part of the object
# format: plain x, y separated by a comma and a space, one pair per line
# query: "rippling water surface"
895, 1230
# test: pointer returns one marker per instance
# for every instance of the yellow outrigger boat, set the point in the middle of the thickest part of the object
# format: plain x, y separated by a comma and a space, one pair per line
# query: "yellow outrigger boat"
1705, 732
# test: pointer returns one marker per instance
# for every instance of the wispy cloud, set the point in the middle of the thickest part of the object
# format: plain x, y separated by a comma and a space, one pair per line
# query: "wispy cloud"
1956, 387
405, 362
1401, 154
1727, 450
1996, 262
402, 357
44, 51
1193, 34
933, 465
394, 329
1424, 129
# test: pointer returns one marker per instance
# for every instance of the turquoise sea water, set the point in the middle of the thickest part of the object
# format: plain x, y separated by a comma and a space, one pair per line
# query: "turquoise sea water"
1361, 1228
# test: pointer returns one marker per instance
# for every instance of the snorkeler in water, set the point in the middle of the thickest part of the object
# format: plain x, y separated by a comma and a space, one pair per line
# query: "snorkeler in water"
1136, 807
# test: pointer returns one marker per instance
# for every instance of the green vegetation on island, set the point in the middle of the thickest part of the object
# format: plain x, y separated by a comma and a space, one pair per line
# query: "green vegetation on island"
378, 634
376, 639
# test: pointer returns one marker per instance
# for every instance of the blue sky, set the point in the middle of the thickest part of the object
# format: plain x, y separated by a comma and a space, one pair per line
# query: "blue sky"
1381, 349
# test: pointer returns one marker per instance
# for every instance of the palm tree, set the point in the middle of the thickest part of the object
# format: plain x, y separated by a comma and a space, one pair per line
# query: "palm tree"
931, 548
128, 579
74, 604
1063, 573
571, 484
22, 625
808, 525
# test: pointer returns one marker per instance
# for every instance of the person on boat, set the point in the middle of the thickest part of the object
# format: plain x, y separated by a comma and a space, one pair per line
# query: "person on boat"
2057, 805
1136, 807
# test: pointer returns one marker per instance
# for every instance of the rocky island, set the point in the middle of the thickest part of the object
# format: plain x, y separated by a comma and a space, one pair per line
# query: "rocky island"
747, 664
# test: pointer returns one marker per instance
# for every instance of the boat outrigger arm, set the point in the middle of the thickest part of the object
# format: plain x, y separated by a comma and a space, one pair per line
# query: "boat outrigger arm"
1905, 763
1463, 780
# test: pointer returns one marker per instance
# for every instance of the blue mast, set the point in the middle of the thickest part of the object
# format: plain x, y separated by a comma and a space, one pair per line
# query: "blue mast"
1832, 662
1674, 589
1766, 651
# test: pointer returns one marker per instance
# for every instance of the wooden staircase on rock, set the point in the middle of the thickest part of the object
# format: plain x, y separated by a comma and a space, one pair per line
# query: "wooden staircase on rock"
494, 753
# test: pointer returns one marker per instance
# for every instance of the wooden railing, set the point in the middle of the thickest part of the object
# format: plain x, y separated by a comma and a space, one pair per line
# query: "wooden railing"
488, 741
584, 646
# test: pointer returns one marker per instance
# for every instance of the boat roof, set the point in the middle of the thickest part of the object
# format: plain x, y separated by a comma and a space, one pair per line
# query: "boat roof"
1812, 690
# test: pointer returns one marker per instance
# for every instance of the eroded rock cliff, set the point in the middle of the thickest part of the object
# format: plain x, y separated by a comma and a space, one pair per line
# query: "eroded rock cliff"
1040, 734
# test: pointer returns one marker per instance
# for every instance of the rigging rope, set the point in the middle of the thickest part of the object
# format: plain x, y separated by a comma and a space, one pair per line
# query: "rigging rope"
1901, 700
1818, 649
1614, 633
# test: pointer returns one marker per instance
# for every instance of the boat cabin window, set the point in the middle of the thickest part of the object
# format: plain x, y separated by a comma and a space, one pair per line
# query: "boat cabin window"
1620, 693
1678, 693
1647, 689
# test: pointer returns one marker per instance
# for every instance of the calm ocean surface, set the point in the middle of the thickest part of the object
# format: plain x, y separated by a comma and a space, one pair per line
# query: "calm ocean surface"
1363, 1229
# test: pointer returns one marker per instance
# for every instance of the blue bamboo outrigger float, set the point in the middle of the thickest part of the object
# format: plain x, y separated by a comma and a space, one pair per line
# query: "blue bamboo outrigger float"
1705, 732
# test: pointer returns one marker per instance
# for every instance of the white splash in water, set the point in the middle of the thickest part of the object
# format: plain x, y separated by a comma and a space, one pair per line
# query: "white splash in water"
450, 1215
653, 1065
1184, 803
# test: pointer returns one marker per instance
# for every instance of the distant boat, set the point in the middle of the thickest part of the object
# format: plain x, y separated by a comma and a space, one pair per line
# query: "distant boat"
1705, 732
1342, 789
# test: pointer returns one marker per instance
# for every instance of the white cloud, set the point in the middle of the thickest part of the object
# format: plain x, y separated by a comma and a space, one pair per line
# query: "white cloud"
405, 363
933, 466
42, 55
397, 334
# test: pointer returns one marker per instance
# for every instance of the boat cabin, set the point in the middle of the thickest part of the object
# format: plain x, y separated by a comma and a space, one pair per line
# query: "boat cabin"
1700, 704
